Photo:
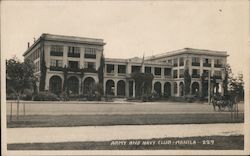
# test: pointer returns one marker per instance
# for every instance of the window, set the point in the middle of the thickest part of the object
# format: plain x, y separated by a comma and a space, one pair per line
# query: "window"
175, 62
90, 53
169, 61
206, 62
34, 55
73, 51
56, 50
195, 61
218, 63
90, 65
195, 73
110, 68
217, 74
181, 73
148, 70
167, 71
136, 69
157, 71
37, 66
55, 63
181, 63
73, 64
122, 69
205, 73
175, 73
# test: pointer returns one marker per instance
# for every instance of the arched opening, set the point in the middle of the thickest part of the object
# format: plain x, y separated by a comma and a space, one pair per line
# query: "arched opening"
157, 88
110, 86
195, 88
73, 85
121, 88
55, 84
88, 85
181, 87
167, 89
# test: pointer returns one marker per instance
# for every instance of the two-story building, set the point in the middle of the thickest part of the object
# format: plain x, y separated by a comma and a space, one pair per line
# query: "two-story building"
82, 58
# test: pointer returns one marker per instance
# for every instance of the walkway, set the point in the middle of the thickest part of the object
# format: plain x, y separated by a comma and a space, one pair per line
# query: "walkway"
107, 133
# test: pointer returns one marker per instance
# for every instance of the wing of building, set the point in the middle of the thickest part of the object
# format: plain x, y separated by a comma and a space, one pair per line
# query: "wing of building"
73, 64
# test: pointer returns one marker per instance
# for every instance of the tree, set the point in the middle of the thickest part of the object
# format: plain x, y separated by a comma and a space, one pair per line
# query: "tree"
100, 74
187, 80
20, 76
143, 83
43, 75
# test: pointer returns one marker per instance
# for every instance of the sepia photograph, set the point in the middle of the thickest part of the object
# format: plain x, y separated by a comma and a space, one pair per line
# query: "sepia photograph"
125, 77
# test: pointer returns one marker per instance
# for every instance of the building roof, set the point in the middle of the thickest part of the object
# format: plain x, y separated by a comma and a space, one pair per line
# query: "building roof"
63, 38
188, 51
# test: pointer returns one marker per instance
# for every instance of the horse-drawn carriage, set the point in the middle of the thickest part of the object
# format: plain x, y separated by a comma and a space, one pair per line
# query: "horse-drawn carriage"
224, 102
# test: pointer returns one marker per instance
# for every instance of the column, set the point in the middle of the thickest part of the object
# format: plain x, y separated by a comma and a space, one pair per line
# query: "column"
115, 69
115, 87
162, 88
65, 56
178, 89
153, 70
104, 86
212, 67
162, 72
134, 89
79, 87
200, 88
172, 89
127, 88
201, 66
81, 57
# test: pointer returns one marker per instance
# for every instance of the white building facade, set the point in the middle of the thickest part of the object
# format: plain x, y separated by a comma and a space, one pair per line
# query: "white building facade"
75, 61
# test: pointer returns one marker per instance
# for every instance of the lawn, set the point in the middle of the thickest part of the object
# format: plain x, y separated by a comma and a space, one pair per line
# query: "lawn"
133, 119
186, 143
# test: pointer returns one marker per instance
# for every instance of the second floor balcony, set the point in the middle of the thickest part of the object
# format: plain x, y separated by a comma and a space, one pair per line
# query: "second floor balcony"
56, 53
55, 68
195, 76
206, 64
195, 63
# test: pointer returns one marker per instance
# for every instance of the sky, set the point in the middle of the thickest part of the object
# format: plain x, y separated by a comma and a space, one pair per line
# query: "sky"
132, 28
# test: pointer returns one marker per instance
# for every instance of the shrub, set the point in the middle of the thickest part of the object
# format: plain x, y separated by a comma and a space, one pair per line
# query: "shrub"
46, 96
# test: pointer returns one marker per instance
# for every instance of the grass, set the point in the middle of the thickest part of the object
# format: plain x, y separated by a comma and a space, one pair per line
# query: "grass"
134, 119
220, 143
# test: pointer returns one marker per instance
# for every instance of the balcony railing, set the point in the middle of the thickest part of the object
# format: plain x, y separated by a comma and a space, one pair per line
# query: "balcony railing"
218, 77
218, 65
89, 70
157, 76
206, 64
53, 68
121, 74
195, 64
181, 63
56, 53
74, 69
73, 54
195, 76
110, 74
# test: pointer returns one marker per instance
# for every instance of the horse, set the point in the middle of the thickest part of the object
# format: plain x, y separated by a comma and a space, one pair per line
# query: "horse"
224, 101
